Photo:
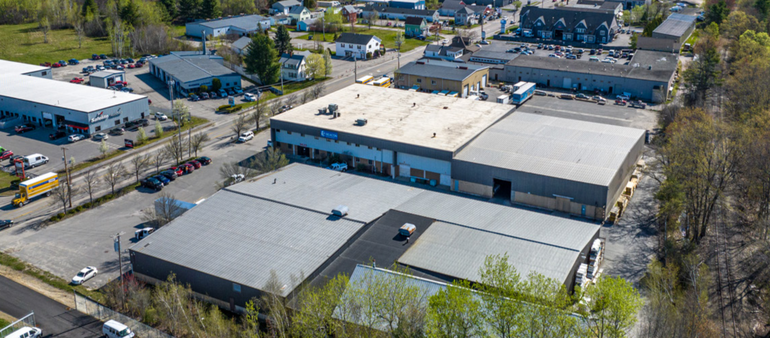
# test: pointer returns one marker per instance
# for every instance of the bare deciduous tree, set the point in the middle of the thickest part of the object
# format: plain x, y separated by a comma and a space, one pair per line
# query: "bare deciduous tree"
318, 90
139, 163
115, 173
197, 142
90, 182
164, 210
239, 126
175, 149
61, 195
158, 158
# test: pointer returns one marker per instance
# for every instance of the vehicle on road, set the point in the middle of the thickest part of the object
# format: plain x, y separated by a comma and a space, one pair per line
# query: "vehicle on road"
76, 137
204, 160
142, 233
24, 128
5, 224
38, 186
100, 136
339, 166
246, 136
161, 117
6, 155
26, 332
114, 329
151, 183
84, 275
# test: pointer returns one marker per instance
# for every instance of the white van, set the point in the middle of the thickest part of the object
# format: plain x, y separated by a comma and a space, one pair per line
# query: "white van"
113, 329
34, 160
26, 332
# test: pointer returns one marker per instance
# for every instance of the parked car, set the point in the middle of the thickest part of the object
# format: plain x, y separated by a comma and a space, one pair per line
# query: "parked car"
75, 137
222, 93
188, 168
194, 98
213, 95
581, 96
57, 135
249, 97
77, 80
245, 136
540, 93
142, 233
622, 97
100, 67
230, 91
6, 155
195, 164
163, 179
339, 166
571, 57
6, 223
84, 275
119, 67
100, 136
131, 66
539, 46
161, 117
130, 60
24, 128
102, 56
55, 65
151, 183
117, 131
73, 61
62, 63
95, 57
170, 174
204, 96
178, 170
139, 65
204, 160
238, 90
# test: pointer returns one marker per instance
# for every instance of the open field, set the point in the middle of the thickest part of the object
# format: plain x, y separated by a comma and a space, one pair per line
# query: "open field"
389, 38
25, 43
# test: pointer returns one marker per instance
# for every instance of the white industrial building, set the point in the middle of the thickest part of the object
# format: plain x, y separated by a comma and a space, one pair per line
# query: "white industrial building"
29, 94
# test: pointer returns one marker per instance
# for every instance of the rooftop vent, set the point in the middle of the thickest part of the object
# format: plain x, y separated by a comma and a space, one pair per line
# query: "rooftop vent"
420, 62
322, 111
340, 211
407, 229
462, 67
361, 122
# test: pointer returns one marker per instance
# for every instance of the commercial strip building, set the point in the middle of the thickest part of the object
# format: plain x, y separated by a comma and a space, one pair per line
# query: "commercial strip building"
296, 238
475, 147
438, 75
649, 75
237, 25
28, 93
191, 70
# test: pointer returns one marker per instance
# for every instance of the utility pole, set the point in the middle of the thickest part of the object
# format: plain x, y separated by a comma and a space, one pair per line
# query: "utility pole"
178, 116
116, 245
355, 67
67, 171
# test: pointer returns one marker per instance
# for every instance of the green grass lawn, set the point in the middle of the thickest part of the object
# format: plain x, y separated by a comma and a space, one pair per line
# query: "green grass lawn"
4, 323
24, 43
389, 37
692, 39
5, 184
178, 31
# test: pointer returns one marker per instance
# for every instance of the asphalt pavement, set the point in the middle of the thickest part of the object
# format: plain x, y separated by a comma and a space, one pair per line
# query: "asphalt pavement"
55, 319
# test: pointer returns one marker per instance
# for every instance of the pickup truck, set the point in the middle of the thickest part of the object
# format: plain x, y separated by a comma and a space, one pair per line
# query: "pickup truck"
339, 167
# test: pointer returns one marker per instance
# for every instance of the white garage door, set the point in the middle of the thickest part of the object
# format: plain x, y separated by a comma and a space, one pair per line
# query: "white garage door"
484, 81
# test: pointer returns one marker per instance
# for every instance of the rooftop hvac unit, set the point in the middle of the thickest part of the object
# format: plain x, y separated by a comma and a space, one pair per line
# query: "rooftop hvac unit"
361, 122
322, 111
333, 108
340, 210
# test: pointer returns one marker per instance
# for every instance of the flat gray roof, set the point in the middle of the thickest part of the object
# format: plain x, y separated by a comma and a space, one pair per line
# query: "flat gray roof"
400, 116
281, 222
549, 146
107, 73
191, 67
452, 71
646, 65
675, 25
76, 97
244, 22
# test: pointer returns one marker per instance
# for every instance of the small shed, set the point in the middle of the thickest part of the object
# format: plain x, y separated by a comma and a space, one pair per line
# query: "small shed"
106, 78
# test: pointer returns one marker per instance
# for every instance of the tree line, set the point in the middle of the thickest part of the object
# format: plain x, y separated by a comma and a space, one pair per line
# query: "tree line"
262, 58
389, 304
712, 161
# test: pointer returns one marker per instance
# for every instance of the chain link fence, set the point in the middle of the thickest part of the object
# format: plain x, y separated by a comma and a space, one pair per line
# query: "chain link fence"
26, 321
103, 313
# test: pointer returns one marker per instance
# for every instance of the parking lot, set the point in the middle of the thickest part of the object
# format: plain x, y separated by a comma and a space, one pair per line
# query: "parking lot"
86, 239
590, 111
501, 46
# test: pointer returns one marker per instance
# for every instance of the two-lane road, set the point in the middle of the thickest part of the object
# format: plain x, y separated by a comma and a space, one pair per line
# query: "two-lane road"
51, 316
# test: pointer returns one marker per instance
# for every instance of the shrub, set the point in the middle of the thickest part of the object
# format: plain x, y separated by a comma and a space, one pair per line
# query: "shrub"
369, 55
54, 218
87, 205
79, 208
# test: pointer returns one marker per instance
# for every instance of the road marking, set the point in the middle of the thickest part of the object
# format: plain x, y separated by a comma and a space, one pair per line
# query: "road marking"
29, 212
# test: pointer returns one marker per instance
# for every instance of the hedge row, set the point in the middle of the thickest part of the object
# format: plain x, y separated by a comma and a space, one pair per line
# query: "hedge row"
97, 201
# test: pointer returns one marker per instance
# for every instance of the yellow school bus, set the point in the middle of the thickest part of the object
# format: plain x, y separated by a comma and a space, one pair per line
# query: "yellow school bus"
382, 82
365, 80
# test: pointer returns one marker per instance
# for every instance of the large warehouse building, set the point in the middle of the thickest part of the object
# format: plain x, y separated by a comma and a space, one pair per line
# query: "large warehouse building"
474, 147
648, 76
192, 69
28, 93
274, 233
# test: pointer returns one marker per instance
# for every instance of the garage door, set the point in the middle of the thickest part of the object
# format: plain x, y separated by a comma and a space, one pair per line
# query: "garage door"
484, 81
567, 83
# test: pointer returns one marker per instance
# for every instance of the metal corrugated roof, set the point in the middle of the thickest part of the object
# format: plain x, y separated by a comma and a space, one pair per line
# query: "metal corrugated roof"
191, 67
547, 146
245, 22
452, 71
675, 25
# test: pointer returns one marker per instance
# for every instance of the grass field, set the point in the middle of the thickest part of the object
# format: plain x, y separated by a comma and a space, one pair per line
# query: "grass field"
5, 184
24, 43
389, 38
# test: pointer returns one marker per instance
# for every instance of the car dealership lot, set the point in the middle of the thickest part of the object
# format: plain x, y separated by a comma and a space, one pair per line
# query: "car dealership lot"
65, 247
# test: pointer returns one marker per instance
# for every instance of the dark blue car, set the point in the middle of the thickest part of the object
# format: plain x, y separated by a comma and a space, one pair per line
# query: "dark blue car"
163, 179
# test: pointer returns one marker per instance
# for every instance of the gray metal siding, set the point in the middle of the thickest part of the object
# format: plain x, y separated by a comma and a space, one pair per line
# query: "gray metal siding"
199, 282
539, 185
624, 173
365, 140
582, 258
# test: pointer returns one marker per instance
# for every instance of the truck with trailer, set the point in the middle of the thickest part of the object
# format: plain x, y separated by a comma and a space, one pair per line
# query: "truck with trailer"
35, 187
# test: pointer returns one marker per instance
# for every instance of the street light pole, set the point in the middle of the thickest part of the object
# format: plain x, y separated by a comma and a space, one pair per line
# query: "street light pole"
178, 116
67, 170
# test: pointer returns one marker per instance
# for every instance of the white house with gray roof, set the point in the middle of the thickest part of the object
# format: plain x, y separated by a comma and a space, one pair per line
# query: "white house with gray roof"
357, 45
284, 7
192, 70
293, 67
238, 25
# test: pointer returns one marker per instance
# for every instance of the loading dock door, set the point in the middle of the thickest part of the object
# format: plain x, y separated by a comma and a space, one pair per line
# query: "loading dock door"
501, 189
563, 204
567, 83
484, 81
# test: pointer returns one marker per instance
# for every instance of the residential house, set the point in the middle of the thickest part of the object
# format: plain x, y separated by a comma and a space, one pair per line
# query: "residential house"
415, 27
466, 17
240, 46
449, 53
299, 13
449, 7
293, 66
351, 13
284, 7
235, 25
393, 13
568, 24
465, 43
280, 19
434, 75
307, 25
410, 4
357, 45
